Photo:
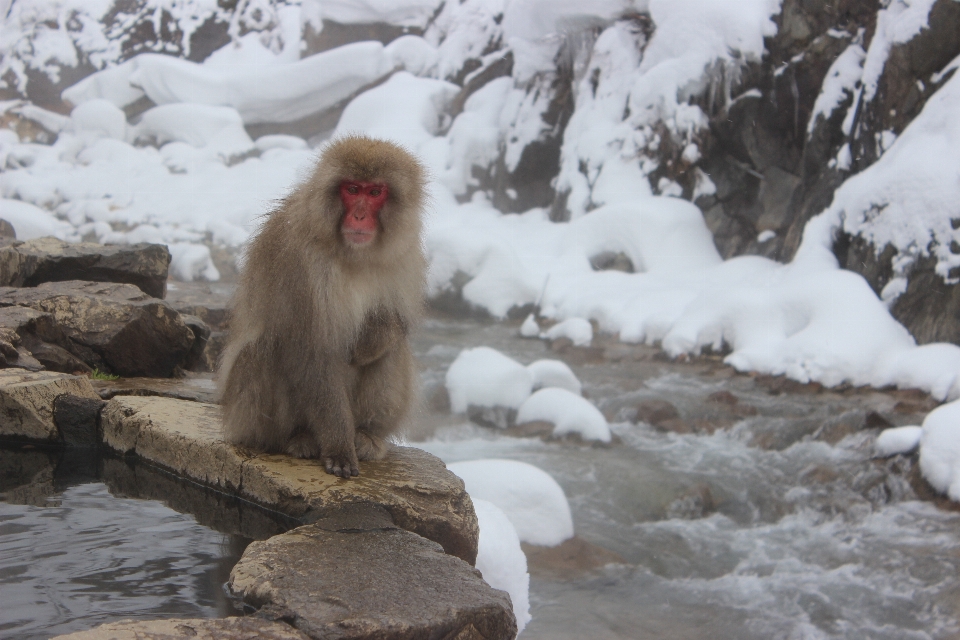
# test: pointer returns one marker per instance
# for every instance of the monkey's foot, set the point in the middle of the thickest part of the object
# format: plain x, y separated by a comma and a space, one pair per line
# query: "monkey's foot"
370, 447
341, 466
303, 445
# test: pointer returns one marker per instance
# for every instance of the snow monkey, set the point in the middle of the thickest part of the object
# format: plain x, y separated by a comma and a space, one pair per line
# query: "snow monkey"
318, 364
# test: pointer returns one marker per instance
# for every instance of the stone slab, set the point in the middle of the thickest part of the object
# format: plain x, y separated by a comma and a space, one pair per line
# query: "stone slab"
49, 259
378, 582
27, 401
214, 629
413, 486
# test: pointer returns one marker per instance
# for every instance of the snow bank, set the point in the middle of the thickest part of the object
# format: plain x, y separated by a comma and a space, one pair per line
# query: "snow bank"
404, 13
890, 442
500, 559
529, 496
260, 93
569, 412
485, 377
908, 197
219, 129
940, 449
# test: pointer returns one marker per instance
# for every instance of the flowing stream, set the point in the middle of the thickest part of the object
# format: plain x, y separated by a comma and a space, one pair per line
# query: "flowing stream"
758, 512
768, 519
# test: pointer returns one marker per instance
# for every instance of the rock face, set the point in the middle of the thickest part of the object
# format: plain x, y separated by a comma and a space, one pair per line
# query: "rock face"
411, 485
114, 327
27, 402
222, 629
27, 264
377, 581
32, 339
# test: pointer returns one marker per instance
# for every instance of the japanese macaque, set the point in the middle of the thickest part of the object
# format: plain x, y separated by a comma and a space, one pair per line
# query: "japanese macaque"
318, 364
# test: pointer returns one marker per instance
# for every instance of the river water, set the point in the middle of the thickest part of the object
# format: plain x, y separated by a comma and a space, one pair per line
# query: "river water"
759, 512
778, 524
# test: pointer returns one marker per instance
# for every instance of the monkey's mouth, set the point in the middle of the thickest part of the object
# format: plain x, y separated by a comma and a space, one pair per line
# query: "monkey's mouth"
358, 237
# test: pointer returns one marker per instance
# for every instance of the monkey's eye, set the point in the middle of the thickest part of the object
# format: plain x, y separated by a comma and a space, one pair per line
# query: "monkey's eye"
375, 191
353, 189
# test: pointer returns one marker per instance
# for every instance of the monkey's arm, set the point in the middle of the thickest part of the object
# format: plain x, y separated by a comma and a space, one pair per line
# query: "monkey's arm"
381, 331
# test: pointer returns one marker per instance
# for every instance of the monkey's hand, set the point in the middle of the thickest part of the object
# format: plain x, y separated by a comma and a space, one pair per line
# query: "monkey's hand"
381, 331
342, 465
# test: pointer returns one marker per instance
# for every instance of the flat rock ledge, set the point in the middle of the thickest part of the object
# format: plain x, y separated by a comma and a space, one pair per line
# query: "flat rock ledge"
387, 555
413, 486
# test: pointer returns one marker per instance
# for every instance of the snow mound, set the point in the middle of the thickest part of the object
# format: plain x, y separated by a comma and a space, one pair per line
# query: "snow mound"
890, 442
940, 449
554, 373
500, 559
487, 378
219, 129
569, 412
191, 262
31, 222
100, 117
577, 330
529, 496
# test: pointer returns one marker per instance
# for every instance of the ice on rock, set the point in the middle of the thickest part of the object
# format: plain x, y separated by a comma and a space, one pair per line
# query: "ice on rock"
529, 496
890, 442
487, 378
570, 414
500, 559
554, 373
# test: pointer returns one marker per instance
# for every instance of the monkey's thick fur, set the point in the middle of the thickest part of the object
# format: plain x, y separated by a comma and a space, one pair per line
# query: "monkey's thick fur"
318, 364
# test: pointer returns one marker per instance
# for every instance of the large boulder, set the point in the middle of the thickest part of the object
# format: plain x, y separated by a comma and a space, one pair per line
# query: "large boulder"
27, 402
33, 340
114, 327
412, 486
376, 581
27, 264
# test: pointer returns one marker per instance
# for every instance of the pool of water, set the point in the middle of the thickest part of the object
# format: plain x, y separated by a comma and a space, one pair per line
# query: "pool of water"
78, 547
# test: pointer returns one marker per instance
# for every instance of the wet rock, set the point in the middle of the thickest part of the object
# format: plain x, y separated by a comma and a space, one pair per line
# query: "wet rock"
33, 340
775, 385
576, 355
209, 301
836, 428
27, 402
612, 261
216, 629
696, 502
732, 404
413, 486
77, 418
27, 264
497, 417
656, 412
196, 359
113, 327
199, 388
420, 592
7, 230
571, 557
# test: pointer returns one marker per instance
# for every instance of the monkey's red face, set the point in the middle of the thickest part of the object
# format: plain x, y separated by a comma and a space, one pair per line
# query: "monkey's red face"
362, 202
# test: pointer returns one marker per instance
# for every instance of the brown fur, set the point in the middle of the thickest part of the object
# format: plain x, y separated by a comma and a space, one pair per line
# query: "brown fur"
318, 364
